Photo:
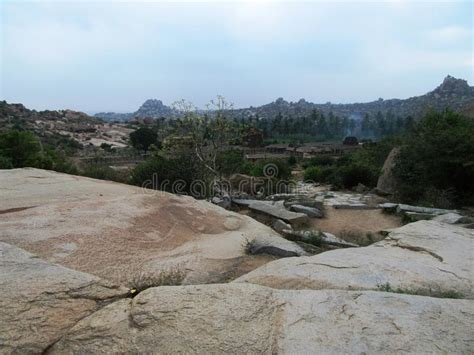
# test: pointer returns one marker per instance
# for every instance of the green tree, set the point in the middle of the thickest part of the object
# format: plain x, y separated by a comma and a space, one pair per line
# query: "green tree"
20, 148
143, 137
436, 162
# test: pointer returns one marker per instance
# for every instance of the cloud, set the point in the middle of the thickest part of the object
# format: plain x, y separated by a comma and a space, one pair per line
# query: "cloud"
450, 34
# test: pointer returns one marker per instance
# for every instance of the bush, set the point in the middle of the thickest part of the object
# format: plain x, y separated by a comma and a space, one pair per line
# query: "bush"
143, 137
292, 160
102, 172
276, 168
352, 175
230, 162
313, 173
176, 174
321, 161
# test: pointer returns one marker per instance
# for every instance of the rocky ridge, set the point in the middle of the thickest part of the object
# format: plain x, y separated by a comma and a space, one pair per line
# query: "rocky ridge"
452, 92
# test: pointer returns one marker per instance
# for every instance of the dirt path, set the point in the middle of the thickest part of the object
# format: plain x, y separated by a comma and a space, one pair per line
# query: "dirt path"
354, 225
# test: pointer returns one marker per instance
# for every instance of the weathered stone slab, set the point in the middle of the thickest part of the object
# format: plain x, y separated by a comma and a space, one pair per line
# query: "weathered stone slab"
279, 212
239, 318
40, 300
243, 202
424, 256
401, 208
309, 211
312, 237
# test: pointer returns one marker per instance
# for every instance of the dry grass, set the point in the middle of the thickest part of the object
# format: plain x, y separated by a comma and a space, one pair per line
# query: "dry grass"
141, 278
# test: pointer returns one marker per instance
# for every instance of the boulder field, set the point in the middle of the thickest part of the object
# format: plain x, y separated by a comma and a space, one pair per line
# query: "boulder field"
65, 242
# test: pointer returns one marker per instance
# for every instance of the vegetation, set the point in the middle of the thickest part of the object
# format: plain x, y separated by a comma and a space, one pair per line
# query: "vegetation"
19, 149
143, 138
142, 280
321, 127
362, 166
435, 166
386, 287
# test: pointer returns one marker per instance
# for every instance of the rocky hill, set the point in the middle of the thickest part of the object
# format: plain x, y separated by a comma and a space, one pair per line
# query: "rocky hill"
454, 93
53, 126
150, 108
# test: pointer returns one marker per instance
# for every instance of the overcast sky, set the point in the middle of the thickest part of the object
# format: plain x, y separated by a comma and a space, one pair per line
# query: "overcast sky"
111, 56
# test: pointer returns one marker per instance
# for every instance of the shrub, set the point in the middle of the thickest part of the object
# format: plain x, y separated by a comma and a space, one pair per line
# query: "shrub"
143, 137
174, 174
354, 174
313, 173
102, 172
230, 162
321, 161
291, 160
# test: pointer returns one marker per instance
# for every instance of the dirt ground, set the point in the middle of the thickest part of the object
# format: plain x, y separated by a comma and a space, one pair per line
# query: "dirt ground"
355, 225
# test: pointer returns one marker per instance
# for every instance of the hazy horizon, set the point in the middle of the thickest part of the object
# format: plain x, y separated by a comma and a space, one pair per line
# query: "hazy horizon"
112, 56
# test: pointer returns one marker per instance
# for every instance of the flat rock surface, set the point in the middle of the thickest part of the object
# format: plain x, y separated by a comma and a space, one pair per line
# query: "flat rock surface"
278, 211
116, 231
40, 300
420, 256
239, 318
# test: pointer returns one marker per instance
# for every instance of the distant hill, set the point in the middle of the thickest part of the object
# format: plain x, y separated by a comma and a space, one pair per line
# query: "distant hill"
150, 108
20, 117
454, 93
62, 127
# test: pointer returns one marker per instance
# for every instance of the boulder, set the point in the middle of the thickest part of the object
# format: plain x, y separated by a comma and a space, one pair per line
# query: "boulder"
280, 226
401, 208
421, 257
452, 218
317, 238
387, 183
118, 231
223, 202
275, 246
40, 301
309, 211
279, 211
238, 318
241, 183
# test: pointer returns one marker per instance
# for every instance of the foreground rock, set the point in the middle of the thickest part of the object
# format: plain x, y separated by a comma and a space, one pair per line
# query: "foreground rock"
118, 231
40, 301
238, 318
423, 257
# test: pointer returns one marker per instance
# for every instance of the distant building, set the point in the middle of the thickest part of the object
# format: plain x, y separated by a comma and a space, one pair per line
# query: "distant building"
350, 140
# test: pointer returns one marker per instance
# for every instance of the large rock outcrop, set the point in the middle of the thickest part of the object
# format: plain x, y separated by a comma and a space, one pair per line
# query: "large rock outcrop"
387, 183
40, 301
118, 231
239, 318
422, 257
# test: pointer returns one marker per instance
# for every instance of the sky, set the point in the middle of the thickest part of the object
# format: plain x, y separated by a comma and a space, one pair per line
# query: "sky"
113, 55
